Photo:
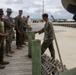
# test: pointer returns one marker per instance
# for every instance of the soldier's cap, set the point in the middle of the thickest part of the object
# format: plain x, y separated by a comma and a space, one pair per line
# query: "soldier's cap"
1, 11
20, 10
9, 10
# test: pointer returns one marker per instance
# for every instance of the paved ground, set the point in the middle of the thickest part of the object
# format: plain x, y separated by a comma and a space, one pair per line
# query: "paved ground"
20, 64
66, 38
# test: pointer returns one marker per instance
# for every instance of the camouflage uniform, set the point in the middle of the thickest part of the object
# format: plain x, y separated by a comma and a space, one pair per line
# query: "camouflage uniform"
27, 26
19, 30
2, 35
8, 22
26, 21
48, 38
24, 28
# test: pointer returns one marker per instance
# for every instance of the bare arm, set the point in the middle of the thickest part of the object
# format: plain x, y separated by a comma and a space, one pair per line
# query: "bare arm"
3, 35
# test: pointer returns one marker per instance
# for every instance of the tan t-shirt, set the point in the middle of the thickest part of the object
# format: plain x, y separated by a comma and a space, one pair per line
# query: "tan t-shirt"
1, 27
1, 31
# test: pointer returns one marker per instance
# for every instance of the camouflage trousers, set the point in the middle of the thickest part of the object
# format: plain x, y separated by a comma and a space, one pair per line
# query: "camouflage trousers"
9, 40
23, 37
18, 39
48, 44
1, 50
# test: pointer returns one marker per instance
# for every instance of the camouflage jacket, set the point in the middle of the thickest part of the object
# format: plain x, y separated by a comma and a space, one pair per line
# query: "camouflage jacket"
26, 21
24, 25
18, 23
48, 31
8, 23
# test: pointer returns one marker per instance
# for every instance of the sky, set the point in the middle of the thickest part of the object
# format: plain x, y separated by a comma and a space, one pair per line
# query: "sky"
34, 8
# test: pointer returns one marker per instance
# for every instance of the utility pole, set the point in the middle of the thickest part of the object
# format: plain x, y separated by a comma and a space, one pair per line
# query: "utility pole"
43, 7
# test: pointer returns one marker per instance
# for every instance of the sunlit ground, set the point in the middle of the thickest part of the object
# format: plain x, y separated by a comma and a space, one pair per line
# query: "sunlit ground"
66, 38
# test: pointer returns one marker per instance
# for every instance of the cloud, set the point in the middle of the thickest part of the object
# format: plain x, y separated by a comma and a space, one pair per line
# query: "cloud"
34, 8
62, 14
14, 2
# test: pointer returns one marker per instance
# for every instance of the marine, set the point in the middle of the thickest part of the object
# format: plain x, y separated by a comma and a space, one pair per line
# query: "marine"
48, 36
8, 22
2, 36
19, 30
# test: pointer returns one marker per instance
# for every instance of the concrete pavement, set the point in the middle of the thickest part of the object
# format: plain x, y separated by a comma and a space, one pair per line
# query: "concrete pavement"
66, 38
20, 64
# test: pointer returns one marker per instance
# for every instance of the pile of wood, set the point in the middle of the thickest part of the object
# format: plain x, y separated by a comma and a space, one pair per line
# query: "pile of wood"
50, 66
